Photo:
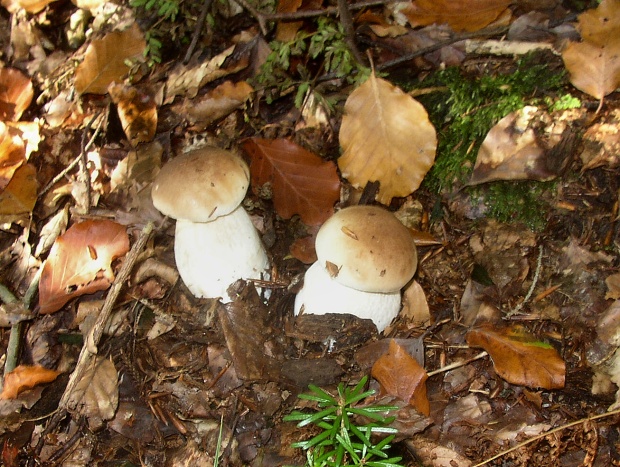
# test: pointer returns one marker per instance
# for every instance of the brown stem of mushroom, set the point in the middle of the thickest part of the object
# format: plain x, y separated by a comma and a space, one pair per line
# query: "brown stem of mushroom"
198, 29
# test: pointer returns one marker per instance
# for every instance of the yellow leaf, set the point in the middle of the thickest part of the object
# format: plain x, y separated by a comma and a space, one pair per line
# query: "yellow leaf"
105, 60
594, 69
387, 137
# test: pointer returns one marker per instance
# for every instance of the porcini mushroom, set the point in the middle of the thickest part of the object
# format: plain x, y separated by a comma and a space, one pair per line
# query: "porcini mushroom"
365, 256
215, 243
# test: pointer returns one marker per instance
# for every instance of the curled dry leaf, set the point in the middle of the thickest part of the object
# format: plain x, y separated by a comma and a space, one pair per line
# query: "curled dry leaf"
17, 94
106, 59
80, 262
519, 358
217, 103
387, 137
594, 63
96, 394
299, 181
12, 153
510, 151
26, 377
137, 112
400, 375
460, 15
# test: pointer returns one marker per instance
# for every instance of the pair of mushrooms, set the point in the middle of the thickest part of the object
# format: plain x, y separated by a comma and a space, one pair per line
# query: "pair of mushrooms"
365, 254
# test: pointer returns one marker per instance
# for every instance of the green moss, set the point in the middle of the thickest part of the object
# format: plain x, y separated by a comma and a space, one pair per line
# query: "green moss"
465, 109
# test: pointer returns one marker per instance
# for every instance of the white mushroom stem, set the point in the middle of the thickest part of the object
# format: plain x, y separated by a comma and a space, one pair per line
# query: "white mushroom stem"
213, 255
321, 294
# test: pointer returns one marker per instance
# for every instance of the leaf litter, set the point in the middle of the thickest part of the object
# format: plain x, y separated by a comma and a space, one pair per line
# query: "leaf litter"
168, 373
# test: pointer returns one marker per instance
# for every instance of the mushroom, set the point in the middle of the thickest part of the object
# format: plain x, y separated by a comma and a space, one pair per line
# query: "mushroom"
365, 256
215, 243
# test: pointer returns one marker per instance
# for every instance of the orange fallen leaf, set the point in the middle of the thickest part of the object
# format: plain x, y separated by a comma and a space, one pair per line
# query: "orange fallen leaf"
400, 375
26, 377
460, 15
20, 195
519, 358
16, 94
387, 137
300, 181
12, 154
80, 262
105, 60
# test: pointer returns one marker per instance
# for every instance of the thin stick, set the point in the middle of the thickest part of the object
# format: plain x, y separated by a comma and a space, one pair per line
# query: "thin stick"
198, 29
542, 435
89, 349
77, 160
454, 365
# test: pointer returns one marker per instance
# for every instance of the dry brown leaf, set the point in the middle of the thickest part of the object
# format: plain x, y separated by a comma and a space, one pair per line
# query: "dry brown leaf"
137, 112
20, 195
16, 94
510, 151
80, 262
287, 30
594, 63
26, 377
186, 81
96, 394
387, 137
299, 181
519, 358
105, 60
303, 249
461, 15
415, 306
221, 101
400, 375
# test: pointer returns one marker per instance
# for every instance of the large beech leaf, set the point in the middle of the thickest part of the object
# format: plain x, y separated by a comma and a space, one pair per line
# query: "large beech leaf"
15, 94
26, 377
386, 137
106, 59
594, 63
460, 15
300, 181
96, 394
400, 375
80, 262
519, 358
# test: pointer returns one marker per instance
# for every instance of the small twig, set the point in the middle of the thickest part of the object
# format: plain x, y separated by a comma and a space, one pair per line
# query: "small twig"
89, 349
346, 19
258, 16
543, 435
454, 365
77, 160
530, 291
206, 6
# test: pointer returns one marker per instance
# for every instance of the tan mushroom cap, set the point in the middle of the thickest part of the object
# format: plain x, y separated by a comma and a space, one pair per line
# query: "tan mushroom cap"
367, 248
201, 185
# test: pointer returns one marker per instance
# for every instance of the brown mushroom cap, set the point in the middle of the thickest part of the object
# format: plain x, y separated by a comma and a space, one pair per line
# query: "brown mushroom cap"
367, 248
201, 185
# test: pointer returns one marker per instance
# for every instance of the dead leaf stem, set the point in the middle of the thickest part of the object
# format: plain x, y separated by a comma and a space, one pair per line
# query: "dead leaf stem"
82, 154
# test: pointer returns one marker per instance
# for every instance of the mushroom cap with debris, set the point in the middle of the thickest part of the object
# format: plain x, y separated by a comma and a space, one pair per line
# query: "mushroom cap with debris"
367, 248
201, 185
